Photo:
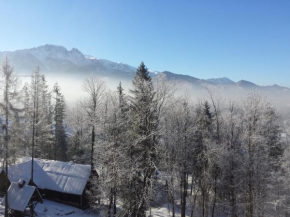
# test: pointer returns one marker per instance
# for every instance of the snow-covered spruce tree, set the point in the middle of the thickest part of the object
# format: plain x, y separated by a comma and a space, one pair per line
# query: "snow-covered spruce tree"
37, 120
60, 143
27, 120
38, 115
9, 110
184, 127
143, 152
46, 120
123, 144
201, 160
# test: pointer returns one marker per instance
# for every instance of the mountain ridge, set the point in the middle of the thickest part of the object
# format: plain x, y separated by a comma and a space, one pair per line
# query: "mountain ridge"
55, 58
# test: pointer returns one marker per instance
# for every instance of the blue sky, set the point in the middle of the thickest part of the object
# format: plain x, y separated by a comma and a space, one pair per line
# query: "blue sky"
240, 39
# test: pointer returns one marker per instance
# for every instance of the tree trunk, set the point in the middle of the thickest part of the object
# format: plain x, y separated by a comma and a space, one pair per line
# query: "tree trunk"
172, 197
250, 197
191, 187
173, 205
92, 148
193, 204
6, 143
182, 195
214, 196
110, 203
203, 203
233, 199
115, 200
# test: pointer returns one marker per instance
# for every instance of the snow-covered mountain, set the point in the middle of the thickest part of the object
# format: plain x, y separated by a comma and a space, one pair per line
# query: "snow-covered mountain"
55, 59
71, 64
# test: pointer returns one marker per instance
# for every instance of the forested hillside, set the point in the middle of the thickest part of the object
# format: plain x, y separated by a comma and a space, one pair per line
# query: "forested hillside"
151, 147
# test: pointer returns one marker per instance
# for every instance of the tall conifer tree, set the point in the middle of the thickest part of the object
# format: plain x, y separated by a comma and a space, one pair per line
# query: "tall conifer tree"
60, 135
144, 157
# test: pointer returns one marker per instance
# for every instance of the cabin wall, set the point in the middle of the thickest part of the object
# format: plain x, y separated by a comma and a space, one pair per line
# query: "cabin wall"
84, 200
4, 184
69, 199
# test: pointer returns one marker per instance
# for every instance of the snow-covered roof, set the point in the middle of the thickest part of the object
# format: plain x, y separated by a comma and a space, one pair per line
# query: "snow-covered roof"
53, 175
18, 198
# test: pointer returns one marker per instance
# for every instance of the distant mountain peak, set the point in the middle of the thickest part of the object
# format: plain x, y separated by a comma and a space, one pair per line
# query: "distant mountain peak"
50, 47
222, 80
245, 83
75, 50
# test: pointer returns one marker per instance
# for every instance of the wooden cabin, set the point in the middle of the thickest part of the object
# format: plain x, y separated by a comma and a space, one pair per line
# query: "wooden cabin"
62, 182
22, 198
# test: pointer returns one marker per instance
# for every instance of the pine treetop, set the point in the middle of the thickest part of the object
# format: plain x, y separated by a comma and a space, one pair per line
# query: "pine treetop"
142, 72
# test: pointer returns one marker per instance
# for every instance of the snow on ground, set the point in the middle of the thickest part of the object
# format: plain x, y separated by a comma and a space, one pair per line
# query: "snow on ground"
160, 211
166, 211
53, 209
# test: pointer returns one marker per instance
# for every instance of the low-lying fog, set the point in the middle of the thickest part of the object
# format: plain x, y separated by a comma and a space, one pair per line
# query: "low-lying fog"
72, 89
